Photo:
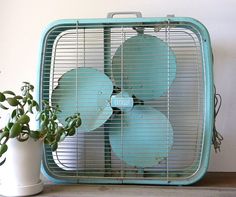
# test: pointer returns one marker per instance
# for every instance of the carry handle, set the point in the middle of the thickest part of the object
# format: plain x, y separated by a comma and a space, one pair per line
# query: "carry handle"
112, 14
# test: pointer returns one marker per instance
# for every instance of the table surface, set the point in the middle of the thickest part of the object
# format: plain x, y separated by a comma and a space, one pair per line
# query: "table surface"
213, 184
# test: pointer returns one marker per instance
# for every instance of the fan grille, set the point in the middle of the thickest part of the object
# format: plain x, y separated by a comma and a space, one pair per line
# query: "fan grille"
90, 155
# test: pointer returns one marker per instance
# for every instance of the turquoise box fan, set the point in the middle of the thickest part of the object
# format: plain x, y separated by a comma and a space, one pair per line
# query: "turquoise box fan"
144, 90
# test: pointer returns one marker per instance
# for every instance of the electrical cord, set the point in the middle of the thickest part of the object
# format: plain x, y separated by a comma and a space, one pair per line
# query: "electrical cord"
217, 137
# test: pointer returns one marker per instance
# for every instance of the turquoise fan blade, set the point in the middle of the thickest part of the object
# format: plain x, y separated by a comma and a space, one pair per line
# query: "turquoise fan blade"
145, 138
87, 91
149, 66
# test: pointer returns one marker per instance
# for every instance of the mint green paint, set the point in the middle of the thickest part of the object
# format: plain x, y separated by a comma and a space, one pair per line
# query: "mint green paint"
144, 139
138, 79
87, 91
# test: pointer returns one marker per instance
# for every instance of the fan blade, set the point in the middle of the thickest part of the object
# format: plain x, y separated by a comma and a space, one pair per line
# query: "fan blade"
87, 91
144, 139
149, 66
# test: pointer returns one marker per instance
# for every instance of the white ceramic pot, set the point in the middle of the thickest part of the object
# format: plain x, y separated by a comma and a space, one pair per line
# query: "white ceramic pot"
20, 174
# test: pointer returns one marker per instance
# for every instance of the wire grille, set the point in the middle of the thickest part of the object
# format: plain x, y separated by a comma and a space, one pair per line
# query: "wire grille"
90, 154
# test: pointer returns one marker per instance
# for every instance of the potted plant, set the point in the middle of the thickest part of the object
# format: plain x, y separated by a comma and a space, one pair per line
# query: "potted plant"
21, 146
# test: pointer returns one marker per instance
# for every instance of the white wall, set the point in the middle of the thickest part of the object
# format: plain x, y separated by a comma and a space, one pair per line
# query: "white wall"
22, 21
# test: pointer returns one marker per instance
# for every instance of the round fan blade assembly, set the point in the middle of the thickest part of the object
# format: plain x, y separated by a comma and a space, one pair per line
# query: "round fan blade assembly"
139, 134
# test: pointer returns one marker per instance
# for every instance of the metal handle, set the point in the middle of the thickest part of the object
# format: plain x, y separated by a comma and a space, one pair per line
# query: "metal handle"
111, 14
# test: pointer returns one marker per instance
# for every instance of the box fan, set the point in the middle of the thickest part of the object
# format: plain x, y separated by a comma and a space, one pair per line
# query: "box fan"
144, 90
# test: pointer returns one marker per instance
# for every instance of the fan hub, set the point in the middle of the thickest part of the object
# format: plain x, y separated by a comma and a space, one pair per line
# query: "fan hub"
123, 101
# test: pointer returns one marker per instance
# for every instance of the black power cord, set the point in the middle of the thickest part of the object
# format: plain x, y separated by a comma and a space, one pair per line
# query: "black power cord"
217, 137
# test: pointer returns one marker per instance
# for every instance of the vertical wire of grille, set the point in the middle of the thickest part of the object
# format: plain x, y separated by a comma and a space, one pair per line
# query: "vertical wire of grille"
113, 150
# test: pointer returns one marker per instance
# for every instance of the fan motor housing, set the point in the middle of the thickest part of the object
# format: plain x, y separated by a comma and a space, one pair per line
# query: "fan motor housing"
144, 89
122, 101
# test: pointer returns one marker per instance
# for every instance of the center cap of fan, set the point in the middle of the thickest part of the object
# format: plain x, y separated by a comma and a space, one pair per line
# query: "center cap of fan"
122, 101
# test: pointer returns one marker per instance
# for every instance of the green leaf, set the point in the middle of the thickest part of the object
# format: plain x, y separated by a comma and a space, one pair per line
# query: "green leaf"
78, 123
52, 126
68, 119
12, 101
3, 107
46, 103
44, 124
31, 87
43, 117
35, 134
20, 111
50, 138
29, 96
9, 92
72, 131
63, 136
9, 125
4, 134
54, 146
24, 99
15, 130
46, 141
29, 101
59, 133
13, 114
3, 149
18, 97
3, 161
2, 97
43, 133
60, 130
24, 119
30, 109
54, 117
34, 103
58, 137
72, 123
37, 107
